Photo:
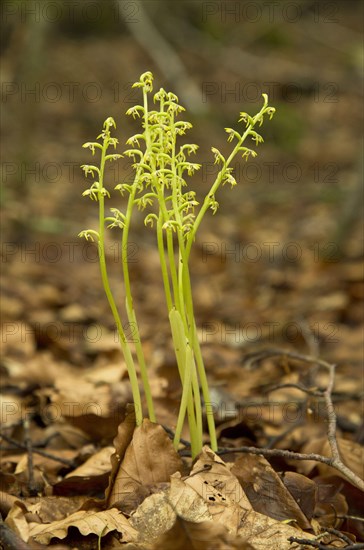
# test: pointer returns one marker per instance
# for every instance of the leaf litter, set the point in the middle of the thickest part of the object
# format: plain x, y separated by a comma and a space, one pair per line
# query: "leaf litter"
67, 482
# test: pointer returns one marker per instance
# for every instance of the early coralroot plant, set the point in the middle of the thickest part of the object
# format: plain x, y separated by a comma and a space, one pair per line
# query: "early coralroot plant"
159, 184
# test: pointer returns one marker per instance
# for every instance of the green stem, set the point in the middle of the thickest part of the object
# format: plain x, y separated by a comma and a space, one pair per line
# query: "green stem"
129, 300
164, 267
206, 204
191, 393
193, 338
205, 391
162, 169
105, 281
186, 368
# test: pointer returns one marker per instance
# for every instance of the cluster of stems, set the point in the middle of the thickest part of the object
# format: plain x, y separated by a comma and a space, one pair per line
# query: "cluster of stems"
159, 184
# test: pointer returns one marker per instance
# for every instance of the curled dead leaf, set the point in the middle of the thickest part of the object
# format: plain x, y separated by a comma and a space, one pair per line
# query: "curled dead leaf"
205, 535
266, 491
219, 488
97, 523
148, 458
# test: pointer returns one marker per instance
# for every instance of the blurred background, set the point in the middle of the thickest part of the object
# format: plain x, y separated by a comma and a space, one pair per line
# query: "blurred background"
280, 263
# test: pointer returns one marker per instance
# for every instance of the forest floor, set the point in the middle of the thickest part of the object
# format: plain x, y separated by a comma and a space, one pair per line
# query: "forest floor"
278, 289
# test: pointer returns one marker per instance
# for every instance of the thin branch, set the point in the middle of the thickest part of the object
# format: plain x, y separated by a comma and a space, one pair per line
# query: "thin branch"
23, 447
29, 447
258, 356
331, 416
331, 435
348, 516
282, 453
335, 460
338, 534
310, 338
171, 434
320, 546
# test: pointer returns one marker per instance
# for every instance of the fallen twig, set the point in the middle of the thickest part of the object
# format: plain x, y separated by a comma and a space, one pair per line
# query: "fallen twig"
38, 451
29, 447
335, 461
321, 546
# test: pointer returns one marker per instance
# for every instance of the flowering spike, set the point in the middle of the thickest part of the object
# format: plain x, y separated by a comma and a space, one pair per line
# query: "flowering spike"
160, 168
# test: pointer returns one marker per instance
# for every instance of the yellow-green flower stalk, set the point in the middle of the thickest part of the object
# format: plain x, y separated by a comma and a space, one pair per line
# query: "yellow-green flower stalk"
160, 166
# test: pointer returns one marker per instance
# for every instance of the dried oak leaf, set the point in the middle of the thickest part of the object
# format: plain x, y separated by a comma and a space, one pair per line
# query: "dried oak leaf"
219, 488
149, 458
263, 532
97, 523
153, 517
87, 405
331, 504
121, 443
266, 491
16, 520
186, 503
352, 455
98, 464
303, 490
89, 478
48, 509
205, 535
158, 513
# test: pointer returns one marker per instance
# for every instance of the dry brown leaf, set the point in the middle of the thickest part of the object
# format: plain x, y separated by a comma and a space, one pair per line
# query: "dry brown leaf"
105, 342
121, 443
205, 535
6, 502
93, 486
158, 512
69, 435
244, 386
98, 428
13, 409
92, 406
73, 313
351, 453
109, 373
40, 368
153, 517
331, 504
303, 490
149, 458
16, 520
133, 500
98, 464
266, 491
17, 340
186, 503
214, 470
53, 508
45, 470
90, 478
12, 485
43, 463
77, 396
97, 523
263, 532
220, 489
